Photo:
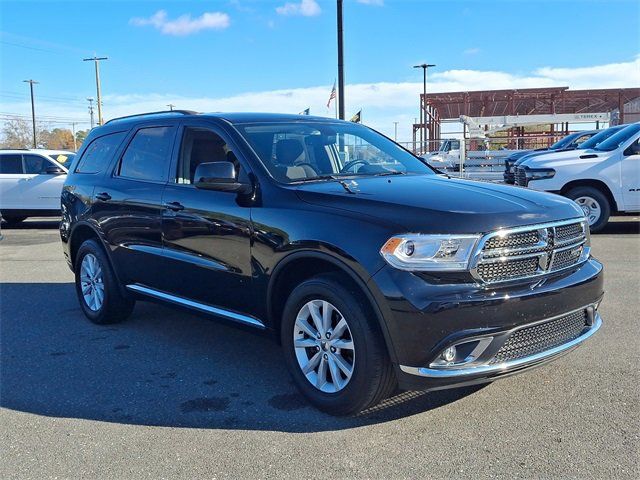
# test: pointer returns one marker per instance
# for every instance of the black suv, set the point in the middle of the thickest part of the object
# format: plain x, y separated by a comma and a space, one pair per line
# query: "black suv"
371, 269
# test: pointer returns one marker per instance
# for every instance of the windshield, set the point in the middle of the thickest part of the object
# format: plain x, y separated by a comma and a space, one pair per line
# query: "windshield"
62, 158
564, 142
614, 141
301, 151
600, 137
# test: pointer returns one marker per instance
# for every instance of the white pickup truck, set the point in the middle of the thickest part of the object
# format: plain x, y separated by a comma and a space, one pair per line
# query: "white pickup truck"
603, 180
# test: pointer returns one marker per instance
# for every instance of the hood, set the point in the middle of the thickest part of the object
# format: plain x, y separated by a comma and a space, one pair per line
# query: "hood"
512, 157
437, 204
561, 159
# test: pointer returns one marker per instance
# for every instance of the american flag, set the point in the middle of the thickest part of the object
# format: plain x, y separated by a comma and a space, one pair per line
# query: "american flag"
332, 96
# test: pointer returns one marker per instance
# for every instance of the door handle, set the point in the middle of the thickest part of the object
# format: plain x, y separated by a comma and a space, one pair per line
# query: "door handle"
104, 196
175, 206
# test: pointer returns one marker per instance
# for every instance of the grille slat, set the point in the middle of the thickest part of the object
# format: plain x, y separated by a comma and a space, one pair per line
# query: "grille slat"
538, 338
520, 254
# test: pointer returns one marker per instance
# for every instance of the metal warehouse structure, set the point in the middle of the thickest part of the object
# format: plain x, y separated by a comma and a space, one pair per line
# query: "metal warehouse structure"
552, 106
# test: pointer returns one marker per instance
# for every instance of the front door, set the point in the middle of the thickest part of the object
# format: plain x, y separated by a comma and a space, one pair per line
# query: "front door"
206, 234
41, 190
630, 173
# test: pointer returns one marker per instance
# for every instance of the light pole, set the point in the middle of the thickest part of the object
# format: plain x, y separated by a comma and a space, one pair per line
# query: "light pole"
90, 100
423, 108
96, 61
395, 131
170, 105
340, 63
33, 111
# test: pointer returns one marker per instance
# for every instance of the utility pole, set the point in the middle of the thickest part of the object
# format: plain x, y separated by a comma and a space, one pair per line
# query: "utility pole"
423, 108
33, 111
90, 100
395, 134
171, 105
73, 130
340, 63
96, 61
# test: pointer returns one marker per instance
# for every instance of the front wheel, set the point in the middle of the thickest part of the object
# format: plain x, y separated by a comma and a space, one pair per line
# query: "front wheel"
334, 352
594, 204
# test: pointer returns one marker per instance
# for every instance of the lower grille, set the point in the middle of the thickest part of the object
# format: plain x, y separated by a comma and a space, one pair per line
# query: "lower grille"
537, 338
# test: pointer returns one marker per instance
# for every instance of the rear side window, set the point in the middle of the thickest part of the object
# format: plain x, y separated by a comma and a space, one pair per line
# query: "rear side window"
35, 164
99, 153
148, 155
11, 163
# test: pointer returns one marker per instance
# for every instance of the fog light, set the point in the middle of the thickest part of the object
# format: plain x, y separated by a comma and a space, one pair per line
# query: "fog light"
449, 355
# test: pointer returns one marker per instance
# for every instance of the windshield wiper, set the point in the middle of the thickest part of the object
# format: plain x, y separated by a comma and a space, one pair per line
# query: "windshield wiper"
390, 172
344, 184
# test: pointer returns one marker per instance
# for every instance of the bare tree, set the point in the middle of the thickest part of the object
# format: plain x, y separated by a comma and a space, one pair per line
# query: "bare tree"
16, 133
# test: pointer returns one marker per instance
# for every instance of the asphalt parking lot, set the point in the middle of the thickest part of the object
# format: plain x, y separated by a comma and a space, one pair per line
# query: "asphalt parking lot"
168, 394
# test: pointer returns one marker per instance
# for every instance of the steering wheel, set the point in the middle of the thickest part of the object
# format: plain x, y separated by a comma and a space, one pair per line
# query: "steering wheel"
351, 164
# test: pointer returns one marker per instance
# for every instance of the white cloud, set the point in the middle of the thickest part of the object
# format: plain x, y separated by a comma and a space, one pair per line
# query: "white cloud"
378, 3
471, 51
382, 103
184, 24
306, 8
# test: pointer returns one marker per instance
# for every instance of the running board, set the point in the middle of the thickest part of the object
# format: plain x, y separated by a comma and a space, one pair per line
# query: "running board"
202, 307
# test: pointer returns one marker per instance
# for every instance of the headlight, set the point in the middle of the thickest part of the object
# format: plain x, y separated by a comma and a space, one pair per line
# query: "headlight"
429, 253
540, 173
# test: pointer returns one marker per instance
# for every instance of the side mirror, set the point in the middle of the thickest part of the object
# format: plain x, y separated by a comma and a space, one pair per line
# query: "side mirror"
53, 170
219, 176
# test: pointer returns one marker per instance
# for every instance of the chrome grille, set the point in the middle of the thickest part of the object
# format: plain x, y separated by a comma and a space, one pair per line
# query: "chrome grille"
528, 252
542, 336
521, 177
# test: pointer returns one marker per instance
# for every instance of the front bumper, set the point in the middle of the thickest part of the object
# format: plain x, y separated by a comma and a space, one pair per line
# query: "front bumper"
423, 318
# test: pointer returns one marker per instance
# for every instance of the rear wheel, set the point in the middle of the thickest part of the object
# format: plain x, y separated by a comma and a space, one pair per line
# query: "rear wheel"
336, 355
97, 287
594, 204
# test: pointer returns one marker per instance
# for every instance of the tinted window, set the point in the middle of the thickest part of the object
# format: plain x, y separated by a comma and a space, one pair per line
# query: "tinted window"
600, 137
10, 163
200, 145
614, 141
35, 164
148, 155
98, 154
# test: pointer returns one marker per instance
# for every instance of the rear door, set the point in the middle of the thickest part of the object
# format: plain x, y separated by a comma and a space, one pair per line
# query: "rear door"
41, 190
127, 203
206, 233
11, 176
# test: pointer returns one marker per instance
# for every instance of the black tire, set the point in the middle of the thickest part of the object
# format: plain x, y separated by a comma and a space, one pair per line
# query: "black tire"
598, 197
373, 377
11, 220
115, 307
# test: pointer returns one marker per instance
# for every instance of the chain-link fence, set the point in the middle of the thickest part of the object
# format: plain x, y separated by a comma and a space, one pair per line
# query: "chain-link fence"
478, 158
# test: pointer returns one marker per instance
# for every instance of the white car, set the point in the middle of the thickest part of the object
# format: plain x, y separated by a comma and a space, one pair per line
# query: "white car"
31, 182
602, 180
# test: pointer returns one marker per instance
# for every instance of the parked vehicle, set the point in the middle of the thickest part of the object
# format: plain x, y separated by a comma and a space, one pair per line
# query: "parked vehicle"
371, 269
31, 183
603, 180
570, 142
447, 157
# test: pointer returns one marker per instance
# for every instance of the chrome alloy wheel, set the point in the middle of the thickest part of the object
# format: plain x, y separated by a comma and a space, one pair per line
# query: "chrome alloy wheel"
591, 208
92, 282
324, 346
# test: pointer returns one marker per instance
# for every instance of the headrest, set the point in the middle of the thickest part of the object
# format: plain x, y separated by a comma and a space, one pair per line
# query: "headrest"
288, 150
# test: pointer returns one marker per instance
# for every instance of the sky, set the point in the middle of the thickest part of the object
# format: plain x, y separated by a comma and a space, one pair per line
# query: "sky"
280, 55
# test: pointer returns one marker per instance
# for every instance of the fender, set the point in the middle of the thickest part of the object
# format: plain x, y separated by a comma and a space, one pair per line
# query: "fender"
344, 267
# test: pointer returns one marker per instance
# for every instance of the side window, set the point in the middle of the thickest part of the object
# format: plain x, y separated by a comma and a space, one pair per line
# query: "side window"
11, 163
35, 164
200, 145
148, 155
98, 154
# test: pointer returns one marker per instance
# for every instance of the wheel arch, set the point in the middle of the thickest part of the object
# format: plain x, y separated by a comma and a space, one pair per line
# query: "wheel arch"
593, 183
302, 265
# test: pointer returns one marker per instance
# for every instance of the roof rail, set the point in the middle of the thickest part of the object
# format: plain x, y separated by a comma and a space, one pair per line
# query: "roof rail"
181, 112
